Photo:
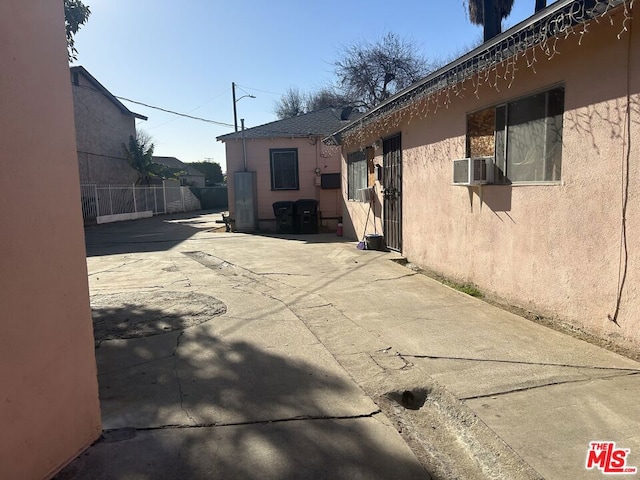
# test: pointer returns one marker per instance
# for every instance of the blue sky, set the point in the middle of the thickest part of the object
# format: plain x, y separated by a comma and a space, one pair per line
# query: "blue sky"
183, 55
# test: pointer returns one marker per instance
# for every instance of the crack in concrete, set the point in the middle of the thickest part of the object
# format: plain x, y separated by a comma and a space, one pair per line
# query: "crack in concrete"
284, 274
384, 369
186, 277
551, 384
521, 362
298, 418
175, 372
395, 278
316, 306
148, 288
115, 268
407, 363
128, 367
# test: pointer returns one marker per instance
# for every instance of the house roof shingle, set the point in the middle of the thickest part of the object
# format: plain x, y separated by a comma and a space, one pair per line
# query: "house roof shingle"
318, 123
173, 162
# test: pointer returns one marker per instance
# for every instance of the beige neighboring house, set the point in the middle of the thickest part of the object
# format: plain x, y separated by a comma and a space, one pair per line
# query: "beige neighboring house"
189, 176
103, 125
554, 103
49, 408
291, 163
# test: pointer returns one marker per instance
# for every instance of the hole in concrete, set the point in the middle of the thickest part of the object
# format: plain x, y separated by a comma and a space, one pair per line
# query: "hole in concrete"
410, 399
118, 435
400, 261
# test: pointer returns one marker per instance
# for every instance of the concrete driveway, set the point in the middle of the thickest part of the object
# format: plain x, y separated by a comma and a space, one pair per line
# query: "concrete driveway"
225, 355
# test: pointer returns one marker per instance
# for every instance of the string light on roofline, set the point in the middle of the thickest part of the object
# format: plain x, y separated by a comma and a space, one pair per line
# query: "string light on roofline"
492, 67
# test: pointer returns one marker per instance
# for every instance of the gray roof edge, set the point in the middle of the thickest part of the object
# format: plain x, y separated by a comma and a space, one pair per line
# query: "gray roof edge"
105, 92
238, 135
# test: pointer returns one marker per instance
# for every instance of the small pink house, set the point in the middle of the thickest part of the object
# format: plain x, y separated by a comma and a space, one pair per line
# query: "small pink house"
544, 212
290, 163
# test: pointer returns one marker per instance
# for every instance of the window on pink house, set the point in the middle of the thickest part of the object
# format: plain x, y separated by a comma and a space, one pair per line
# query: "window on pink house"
284, 168
524, 136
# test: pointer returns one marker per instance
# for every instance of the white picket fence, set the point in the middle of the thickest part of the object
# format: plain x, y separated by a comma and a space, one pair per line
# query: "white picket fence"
105, 200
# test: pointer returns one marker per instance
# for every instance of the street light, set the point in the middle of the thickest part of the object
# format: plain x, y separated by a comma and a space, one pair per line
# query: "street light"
235, 113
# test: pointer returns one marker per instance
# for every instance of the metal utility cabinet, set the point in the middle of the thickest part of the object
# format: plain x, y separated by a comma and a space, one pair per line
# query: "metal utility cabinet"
246, 201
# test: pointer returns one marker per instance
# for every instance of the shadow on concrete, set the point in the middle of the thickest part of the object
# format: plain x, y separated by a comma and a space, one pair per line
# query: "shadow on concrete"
154, 234
192, 405
307, 238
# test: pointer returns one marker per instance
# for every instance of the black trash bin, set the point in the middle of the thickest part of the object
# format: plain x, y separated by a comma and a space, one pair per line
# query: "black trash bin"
307, 216
285, 213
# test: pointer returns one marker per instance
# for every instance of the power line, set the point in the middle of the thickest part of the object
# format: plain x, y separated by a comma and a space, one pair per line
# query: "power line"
258, 90
175, 113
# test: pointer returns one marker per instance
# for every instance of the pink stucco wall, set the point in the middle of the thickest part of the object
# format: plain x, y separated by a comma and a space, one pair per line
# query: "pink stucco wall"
311, 154
49, 408
553, 249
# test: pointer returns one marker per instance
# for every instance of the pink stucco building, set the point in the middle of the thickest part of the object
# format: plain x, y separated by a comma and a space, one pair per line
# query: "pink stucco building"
554, 102
290, 163
49, 409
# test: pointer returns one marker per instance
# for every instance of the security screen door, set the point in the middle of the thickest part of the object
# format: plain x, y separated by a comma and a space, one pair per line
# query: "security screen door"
392, 184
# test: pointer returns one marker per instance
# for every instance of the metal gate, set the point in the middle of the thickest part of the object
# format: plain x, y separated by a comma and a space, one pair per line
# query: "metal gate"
392, 184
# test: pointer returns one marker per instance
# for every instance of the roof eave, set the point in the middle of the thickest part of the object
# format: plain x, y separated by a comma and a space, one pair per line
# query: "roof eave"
441, 72
102, 89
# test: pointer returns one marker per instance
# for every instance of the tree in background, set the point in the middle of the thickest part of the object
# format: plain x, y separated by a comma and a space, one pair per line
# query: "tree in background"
369, 73
326, 98
291, 104
295, 102
366, 74
76, 14
139, 154
212, 171
492, 18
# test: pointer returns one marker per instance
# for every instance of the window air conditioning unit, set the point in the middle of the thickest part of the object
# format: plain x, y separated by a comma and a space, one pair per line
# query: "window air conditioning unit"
473, 171
364, 195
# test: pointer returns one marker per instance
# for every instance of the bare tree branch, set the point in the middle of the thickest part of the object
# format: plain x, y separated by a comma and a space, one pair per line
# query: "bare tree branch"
372, 72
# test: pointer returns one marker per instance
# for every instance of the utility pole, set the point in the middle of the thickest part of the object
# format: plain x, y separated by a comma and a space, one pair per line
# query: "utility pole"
236, 100
235, 113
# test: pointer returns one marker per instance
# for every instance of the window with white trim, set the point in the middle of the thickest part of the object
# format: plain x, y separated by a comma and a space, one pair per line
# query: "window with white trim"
356, 173
284, 168
524, 136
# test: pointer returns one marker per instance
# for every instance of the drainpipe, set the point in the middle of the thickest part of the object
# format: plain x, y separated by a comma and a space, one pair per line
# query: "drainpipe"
244, 145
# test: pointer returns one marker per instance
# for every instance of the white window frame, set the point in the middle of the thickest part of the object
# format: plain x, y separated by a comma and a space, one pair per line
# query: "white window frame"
503, 161
357, 173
